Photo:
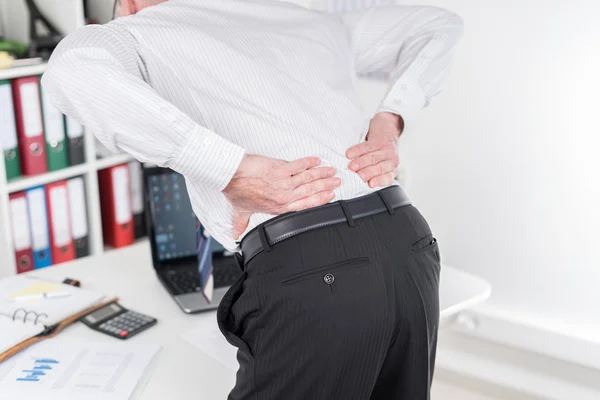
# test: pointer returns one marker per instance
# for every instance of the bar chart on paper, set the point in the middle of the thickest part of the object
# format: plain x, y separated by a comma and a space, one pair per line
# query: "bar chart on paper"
40, 369
57, 369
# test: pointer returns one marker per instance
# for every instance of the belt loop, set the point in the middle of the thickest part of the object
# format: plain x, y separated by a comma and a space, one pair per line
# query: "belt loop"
239, 259
387, 203
347, 213
262, 234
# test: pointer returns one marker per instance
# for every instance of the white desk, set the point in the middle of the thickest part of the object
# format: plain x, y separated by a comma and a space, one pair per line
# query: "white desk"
182, 371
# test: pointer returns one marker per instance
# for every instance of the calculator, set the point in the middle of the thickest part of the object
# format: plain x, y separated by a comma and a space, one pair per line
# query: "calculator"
115, 320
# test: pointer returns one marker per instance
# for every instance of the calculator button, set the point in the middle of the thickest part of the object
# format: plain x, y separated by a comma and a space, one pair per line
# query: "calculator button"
123, 333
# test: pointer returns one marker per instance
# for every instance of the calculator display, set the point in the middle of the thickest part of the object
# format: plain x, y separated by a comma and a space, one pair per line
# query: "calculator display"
103, 313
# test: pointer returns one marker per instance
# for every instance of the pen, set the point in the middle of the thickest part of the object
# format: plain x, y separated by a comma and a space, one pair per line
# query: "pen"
40, 296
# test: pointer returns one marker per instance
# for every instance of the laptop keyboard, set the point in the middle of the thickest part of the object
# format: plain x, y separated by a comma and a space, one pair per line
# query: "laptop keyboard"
186, 280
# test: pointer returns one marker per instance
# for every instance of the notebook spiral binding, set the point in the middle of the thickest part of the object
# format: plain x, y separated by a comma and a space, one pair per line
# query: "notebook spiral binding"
27, 313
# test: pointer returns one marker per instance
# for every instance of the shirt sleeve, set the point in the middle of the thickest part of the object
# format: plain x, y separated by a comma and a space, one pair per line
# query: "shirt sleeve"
413, 43
97, 76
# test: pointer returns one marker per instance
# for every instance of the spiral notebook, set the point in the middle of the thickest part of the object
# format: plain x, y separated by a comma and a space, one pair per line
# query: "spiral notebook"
24, 314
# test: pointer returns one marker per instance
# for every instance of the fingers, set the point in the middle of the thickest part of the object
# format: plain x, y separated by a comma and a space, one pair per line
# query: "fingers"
240, 223
382, 180
321, 185
315, 200
311, 175
375, 157
297, 166
384, 167
364, 148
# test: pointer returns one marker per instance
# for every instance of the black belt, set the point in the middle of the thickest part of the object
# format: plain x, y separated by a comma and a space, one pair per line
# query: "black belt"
285, 226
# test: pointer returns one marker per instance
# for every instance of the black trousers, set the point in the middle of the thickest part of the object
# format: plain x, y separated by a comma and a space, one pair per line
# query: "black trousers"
338, 312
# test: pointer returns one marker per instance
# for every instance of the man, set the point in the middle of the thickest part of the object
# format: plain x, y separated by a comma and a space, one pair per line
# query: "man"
254, 102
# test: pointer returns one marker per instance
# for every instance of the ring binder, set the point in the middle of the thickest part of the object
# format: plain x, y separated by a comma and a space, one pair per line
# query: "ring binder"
37, 316
14, 316
52, 330
24, 322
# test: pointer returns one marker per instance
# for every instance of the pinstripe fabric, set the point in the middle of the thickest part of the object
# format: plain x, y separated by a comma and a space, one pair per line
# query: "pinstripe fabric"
371, 334
194, 85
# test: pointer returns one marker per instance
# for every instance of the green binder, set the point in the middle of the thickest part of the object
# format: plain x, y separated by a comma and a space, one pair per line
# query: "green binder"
8, 131
54, 131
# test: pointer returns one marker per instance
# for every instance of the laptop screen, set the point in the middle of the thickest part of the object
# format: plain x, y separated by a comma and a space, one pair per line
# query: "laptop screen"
172, 217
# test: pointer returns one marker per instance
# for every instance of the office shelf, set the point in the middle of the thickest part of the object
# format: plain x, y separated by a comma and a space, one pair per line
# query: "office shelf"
68, 16
17, 72
27, 182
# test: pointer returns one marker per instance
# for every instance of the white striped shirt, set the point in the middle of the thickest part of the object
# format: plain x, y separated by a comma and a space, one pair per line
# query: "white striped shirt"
194, 85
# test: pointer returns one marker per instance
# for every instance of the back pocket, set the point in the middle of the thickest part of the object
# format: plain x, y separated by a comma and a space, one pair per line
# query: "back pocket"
426, 243
338, 266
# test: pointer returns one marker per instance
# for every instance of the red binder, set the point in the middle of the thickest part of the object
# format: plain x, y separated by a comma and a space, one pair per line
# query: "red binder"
117, 217
19, 216
61, 239
30, 129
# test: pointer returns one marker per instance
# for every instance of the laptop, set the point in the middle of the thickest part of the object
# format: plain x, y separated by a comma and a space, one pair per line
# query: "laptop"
172, 234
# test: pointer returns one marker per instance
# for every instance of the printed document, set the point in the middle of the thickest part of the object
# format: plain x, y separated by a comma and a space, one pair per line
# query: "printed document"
74, 370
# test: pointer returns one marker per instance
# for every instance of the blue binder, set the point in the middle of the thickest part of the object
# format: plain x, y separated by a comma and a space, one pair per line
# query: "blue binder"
40, 234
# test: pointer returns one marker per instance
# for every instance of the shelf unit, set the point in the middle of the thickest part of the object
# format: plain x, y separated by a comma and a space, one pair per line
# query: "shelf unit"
28, 70
88, 170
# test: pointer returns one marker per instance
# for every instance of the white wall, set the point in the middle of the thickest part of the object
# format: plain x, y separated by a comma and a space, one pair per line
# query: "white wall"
505, 163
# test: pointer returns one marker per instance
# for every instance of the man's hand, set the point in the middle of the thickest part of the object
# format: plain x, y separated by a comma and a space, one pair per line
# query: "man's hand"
376, 160
263, 184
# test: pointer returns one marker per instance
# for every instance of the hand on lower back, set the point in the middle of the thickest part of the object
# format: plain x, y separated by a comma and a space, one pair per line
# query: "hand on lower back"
263, 184
376, 160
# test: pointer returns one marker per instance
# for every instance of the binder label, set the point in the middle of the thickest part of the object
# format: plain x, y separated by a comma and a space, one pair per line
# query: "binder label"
137, 199
79, 226
39, 219
54, 122
20, 224
122, 198
74, 128
60, 216
8, 129
32, 116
